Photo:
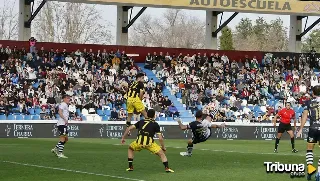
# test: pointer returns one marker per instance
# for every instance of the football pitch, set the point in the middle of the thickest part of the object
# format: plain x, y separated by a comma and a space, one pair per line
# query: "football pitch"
106, 159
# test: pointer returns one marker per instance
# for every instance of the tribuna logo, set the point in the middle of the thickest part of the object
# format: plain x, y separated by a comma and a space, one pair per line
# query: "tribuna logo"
295, 170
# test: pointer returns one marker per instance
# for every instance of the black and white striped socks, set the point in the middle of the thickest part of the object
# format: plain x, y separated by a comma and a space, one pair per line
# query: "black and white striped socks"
60, 146
309, 157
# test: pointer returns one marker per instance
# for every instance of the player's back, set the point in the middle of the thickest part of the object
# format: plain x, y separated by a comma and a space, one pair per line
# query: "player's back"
146, 130
134, 89
200, 129
313, 106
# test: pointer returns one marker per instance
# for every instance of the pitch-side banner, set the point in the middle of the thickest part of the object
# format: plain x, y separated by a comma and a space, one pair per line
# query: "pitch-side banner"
46, 130
259, 6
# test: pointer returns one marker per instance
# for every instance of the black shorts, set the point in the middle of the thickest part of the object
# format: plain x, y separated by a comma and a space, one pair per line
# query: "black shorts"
284, 127
196, 140
63, 130
313, 135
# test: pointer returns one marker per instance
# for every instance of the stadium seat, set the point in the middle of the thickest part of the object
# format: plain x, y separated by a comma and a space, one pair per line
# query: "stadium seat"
170, 119
301, 109
57, 116
100, 112
178, 95
84, 118
256, 109
296, 109
270, 103
107, 112
36, 117
37, 111
3, 117
11, 117
35, 85
31, 111
162, 119
105, 118
20, 117
27, 117
256, 114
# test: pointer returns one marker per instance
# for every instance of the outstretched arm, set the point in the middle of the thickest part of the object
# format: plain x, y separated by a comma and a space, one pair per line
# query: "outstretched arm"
218, 126
126, 132
182, 127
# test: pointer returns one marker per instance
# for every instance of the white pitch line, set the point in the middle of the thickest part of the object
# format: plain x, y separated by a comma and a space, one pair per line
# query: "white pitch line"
74, 171
241, 152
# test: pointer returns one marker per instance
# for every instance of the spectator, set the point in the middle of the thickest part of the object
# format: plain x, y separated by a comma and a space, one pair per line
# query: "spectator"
44, 114
122, 115
173, 111
114, 114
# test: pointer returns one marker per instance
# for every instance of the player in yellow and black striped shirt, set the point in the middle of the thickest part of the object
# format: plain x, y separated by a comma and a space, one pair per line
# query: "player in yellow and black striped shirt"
146, 131
134, 98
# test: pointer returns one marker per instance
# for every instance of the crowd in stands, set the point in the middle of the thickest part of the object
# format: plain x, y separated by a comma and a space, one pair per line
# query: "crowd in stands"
32, 83
245, 90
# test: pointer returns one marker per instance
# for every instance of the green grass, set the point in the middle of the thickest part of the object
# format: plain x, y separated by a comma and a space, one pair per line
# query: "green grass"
241, 161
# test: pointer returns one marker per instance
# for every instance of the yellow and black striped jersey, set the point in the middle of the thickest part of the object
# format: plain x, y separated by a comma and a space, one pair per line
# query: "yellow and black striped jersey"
146, 130
134, 89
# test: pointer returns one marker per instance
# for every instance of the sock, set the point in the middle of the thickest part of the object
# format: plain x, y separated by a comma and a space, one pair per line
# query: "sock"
319, 165
277, 143
130, 161
60, 146
166, 164
128, 123
309, 157
292, 143
189, 148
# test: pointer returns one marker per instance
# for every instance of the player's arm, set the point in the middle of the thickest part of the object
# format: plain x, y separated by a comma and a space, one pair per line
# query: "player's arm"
132, 127
182, 127
218, 126
141, 94
304, 118
60, 112
303, 122
161, 140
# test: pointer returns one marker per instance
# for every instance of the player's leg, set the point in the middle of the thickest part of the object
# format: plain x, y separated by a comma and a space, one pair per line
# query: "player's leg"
130, 110
155, 149
279, 135
132, 148
290, 132
281, 130
189, 147
130, 158
309, 155
144, 113
138, 105
63, 133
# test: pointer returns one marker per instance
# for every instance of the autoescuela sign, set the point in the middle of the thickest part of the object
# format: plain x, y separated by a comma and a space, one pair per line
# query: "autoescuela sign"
255, 6
245, 4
